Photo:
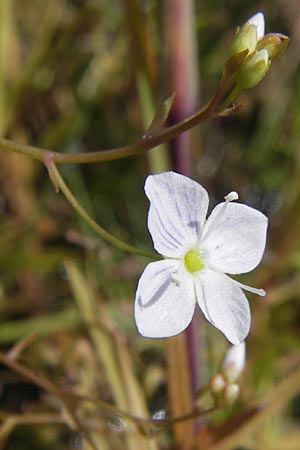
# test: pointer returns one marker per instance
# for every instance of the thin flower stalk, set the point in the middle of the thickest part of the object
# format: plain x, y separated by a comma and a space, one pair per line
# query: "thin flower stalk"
54, 173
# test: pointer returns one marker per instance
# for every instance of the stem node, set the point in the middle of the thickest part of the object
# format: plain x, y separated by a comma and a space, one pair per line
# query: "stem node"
48, 160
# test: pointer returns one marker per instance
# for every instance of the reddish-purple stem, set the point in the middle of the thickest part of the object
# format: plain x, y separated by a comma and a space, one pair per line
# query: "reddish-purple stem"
184, 80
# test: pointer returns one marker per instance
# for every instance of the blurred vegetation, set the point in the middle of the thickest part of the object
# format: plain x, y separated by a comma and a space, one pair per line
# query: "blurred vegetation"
68, 82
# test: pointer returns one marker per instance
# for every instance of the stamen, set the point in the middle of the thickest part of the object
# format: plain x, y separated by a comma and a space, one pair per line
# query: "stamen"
228, 198
231, 196
256, 291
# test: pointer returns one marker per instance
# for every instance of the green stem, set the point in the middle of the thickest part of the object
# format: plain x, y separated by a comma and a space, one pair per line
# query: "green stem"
231, 96
56, 177
144, 144
34, 152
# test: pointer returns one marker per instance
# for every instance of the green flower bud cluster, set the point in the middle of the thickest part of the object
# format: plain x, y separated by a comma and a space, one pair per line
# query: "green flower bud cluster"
252, 51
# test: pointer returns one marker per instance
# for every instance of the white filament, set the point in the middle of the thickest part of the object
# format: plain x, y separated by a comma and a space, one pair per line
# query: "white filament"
256, 291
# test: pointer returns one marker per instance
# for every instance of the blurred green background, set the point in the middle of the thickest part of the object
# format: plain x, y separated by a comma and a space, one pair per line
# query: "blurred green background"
71, 79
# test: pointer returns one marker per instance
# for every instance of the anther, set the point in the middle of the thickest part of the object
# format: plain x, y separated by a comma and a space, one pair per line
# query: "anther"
262, 292
231, 196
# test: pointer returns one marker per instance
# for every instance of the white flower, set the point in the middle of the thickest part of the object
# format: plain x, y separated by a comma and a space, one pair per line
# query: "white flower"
197, 255
234, 362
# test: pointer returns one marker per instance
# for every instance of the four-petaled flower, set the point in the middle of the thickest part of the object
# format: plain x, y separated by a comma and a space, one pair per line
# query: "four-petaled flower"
198, 253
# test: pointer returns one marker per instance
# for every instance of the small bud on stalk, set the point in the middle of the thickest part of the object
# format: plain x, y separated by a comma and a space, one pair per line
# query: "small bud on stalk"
245, 39
231, 394
217, 384
253, 69
274, 43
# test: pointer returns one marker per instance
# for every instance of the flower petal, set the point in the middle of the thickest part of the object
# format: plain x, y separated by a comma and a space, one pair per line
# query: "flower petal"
164, 305
259, 21
178, 208
224, 305
234, 238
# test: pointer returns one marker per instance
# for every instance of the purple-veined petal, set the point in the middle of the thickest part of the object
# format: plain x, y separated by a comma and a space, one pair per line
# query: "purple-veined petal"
234, 238
259, 21
224, 305
165, 299
178, 207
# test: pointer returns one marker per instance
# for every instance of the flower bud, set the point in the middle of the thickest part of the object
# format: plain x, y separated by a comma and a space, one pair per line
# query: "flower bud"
234, 362
231, 393
259, 21
274, 43
245, 39
253, 69
217, 384
247, 36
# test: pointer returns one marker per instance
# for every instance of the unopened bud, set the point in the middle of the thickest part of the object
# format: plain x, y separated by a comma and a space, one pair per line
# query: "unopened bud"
247, 36
253, 69
217, 384
234, 362
231, 393
259, 21
245, 39
274, 43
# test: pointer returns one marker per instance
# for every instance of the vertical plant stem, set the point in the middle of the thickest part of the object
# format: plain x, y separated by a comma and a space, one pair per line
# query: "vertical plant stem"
183, 75
158, 158
179, 388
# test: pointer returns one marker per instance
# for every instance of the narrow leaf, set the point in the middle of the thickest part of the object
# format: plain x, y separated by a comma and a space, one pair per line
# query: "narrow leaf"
160, 117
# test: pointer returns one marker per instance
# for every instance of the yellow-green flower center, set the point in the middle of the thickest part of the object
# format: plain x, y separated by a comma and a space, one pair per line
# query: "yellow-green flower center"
193, 261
